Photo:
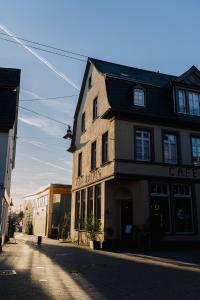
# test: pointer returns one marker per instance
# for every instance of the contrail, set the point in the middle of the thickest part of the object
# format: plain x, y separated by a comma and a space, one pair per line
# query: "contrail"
42, 59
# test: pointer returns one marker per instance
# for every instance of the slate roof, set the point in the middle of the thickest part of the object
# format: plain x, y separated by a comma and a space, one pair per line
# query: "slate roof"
9, 77
9, 82
8, 107
132, 74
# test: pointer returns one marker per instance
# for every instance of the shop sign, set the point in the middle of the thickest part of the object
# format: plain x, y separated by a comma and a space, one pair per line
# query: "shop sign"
89, 178
189, 172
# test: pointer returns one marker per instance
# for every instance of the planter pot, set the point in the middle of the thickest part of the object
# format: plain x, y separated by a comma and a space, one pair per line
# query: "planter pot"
94, 245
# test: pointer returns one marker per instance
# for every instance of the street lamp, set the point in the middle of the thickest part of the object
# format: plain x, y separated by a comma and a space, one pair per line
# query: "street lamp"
68, 135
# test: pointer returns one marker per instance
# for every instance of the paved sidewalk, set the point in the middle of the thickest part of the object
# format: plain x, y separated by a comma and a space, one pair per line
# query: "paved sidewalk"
57, 270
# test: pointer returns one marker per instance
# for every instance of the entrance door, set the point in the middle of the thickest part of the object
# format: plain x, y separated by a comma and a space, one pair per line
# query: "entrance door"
126, 219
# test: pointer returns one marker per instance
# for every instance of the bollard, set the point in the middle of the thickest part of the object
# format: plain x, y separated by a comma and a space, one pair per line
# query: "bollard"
39, 240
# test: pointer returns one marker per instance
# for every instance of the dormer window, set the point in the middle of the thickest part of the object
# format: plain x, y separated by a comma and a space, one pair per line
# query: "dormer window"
181, 101
138, 97
188, 102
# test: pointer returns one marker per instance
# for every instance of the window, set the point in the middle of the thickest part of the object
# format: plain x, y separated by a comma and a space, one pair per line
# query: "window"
183, 217
83, 122
90, 202
95, 108
80, 209
188, 102
83, 208
194, 108
77, 210
143, 145
93, 156
90, 82
97, 201
160, 206
181, 101
196, 150
80, 164
171, 207
139, 97
170, 148
104, 147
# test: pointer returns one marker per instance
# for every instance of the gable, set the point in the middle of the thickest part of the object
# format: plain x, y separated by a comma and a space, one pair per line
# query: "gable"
190, 77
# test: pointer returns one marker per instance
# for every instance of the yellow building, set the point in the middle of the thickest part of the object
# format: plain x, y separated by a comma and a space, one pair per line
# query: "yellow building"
50, 210
136, 153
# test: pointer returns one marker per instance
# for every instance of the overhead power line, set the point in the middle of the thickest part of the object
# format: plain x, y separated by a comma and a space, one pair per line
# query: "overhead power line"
50, 98
45, 116
45, 45
44, 50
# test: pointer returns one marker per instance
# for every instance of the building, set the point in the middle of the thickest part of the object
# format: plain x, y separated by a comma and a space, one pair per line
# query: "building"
9, 99
47, 212
136, 151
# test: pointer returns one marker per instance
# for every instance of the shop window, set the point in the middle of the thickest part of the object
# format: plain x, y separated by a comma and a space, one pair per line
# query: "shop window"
83, 210
90, 203
77, 210
160, 207
171, 207
183, 208
80, 209
97, 201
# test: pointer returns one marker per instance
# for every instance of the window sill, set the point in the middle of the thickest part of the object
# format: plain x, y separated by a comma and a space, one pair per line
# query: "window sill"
94, 169
82, 132
105, 163
95, 119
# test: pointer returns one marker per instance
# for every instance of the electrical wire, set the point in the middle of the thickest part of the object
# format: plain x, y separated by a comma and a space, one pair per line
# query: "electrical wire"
45, 45
44, 50
42, 115
51, 98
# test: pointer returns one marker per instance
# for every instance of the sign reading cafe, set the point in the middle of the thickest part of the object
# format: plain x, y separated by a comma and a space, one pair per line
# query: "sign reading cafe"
188, 172
92, 176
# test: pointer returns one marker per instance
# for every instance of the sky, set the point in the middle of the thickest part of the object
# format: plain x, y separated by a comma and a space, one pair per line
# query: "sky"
153, 35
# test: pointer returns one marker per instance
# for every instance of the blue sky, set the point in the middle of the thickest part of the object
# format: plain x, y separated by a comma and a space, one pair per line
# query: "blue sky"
155, 35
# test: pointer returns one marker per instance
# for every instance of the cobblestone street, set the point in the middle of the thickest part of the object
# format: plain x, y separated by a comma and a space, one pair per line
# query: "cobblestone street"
57, 270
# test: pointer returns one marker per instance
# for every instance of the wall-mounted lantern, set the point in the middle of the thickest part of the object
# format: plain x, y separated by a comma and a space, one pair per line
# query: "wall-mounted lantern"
68, 135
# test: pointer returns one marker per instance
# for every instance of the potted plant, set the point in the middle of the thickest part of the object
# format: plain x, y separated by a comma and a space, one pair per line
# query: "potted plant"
93, 229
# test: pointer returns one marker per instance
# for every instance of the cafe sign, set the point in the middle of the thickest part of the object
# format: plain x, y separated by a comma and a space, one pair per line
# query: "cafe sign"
188, 172
89, 178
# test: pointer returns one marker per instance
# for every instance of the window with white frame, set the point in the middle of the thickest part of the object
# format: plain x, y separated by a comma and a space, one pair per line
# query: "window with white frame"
170, 148
143, 145
138, 97
188, 102
181, 101
194, 103
196, 150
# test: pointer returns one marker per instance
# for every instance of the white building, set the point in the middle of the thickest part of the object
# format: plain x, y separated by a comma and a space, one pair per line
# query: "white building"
9, 98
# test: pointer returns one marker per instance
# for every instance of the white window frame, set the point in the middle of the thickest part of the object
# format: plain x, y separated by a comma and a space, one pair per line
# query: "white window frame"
196, 145
189, 101
143, 139
169, 145
139, 97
